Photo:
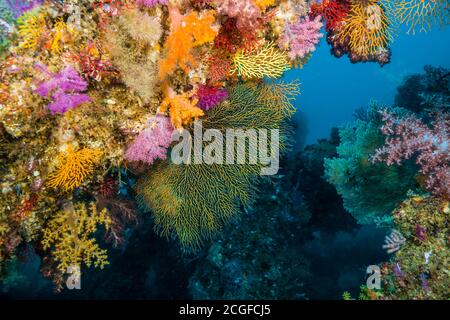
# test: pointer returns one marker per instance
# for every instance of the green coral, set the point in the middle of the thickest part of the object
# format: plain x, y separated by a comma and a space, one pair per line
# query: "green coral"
193, 201
370, 191
69, 234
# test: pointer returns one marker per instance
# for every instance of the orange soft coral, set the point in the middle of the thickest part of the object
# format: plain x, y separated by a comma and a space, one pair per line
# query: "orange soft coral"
186, 32
182, 109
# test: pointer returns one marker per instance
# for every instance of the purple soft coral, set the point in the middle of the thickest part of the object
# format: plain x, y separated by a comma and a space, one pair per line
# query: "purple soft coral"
151, 3
209, 97
19, 7
152, 143
301, 37
63, 101
64, 88
409, 136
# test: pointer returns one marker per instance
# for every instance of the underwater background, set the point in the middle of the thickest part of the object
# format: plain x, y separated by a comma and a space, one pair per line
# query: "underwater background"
332, 210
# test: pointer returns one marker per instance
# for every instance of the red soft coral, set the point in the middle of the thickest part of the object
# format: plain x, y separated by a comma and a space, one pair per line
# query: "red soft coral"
231, 38
333, 11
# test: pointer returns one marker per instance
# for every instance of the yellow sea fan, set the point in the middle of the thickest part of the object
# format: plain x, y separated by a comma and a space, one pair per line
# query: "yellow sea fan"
421, 13
74, 167
31, 25
279, 96
267, 61
70, 235
367, 28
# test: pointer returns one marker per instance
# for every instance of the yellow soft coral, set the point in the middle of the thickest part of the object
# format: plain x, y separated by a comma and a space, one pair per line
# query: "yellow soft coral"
70, 233
181, 108
264, 4
31, 25
60, 33
186, 32
267, 61
366, 27
73, 169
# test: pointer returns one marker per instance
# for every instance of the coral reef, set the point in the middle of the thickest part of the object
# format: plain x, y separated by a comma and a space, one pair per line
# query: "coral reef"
419, 269
91, 93
192, 201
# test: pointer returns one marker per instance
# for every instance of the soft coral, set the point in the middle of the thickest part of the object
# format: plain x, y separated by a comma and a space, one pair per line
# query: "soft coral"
186, 32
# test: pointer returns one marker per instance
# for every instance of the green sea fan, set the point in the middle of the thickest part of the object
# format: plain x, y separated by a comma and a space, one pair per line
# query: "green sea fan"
193, 201
369, 191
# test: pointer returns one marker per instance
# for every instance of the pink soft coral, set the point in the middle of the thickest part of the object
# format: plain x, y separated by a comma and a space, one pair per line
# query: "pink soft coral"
151, 3
152, 143
246, 13
301, 37
409, 136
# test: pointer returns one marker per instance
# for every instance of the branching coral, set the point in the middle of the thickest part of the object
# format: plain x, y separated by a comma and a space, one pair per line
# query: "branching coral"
219, 68
267, 61
409, 136
152, 143
70, 236
74, 168
91, 63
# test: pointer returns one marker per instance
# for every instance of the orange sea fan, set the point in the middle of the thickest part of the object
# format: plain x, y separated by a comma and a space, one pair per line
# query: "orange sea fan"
74, 167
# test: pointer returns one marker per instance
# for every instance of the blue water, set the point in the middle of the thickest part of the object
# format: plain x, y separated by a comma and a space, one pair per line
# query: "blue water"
333, 88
